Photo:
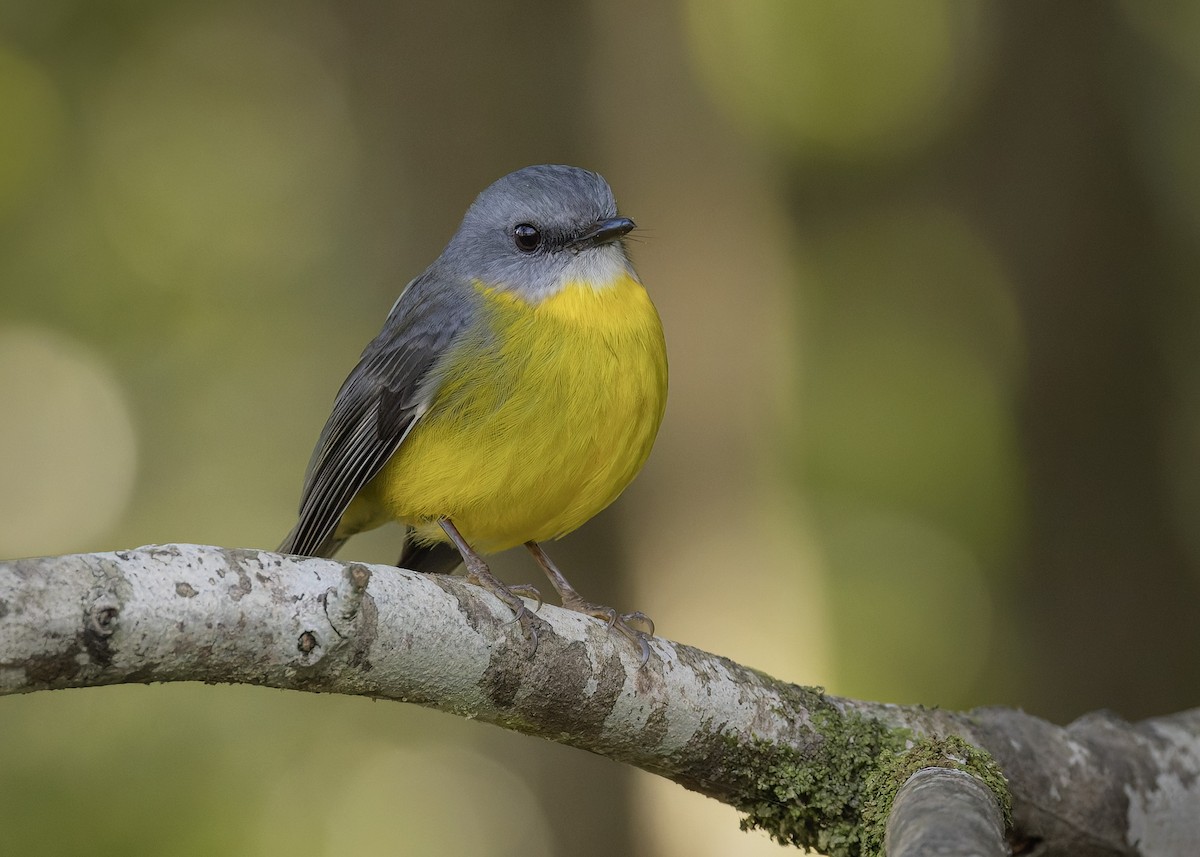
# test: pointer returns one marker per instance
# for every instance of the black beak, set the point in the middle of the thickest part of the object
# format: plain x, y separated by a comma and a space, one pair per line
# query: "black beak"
604, 232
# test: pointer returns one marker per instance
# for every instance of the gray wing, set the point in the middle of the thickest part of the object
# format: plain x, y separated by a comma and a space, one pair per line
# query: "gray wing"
377, 406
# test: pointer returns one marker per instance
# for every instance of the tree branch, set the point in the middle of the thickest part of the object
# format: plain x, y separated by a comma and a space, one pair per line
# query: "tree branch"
811, 768
945, 811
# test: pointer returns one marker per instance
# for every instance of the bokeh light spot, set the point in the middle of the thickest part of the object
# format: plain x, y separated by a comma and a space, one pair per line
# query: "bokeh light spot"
223, 153
67, 444
843, 80
30, 128
913, 352
915, 606
399, 801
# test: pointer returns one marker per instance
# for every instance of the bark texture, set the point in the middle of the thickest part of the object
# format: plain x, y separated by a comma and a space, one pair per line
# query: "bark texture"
945, 811
811, 768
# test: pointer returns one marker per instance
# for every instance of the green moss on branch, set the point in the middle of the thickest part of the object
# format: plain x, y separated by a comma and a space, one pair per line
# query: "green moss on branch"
834, 794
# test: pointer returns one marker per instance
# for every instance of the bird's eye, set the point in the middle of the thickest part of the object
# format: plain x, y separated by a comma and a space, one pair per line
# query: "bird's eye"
527, 237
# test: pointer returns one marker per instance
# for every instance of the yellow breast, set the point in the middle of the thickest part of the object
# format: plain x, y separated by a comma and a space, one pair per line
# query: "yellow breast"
546, 412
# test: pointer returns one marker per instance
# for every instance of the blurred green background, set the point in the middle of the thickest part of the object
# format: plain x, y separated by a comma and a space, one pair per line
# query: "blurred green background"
931, 285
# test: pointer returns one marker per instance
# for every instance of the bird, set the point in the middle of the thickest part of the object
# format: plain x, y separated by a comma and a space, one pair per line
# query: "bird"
515, 390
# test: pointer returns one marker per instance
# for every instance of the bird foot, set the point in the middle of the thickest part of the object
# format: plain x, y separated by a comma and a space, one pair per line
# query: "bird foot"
525, 590
624, 624
479, 574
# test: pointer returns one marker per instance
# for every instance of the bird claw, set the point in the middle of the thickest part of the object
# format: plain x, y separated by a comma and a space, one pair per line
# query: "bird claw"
644, 647
524, 590
640, 618
606, 614
622, 623
511, 596
529, 624
635, 635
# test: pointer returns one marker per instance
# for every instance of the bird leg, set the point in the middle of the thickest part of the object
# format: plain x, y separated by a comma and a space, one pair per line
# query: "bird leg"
479, 574
572, 600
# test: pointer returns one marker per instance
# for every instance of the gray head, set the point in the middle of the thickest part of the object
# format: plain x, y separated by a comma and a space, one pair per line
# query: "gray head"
538, 228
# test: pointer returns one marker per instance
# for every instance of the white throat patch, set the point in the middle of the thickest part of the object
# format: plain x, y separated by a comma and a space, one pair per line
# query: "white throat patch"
598, 267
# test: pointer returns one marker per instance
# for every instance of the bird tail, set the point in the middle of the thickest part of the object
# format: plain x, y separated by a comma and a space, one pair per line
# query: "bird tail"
437, 558
326, 549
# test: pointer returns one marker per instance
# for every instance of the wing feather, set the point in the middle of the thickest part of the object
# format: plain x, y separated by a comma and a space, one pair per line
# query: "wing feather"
379, 403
